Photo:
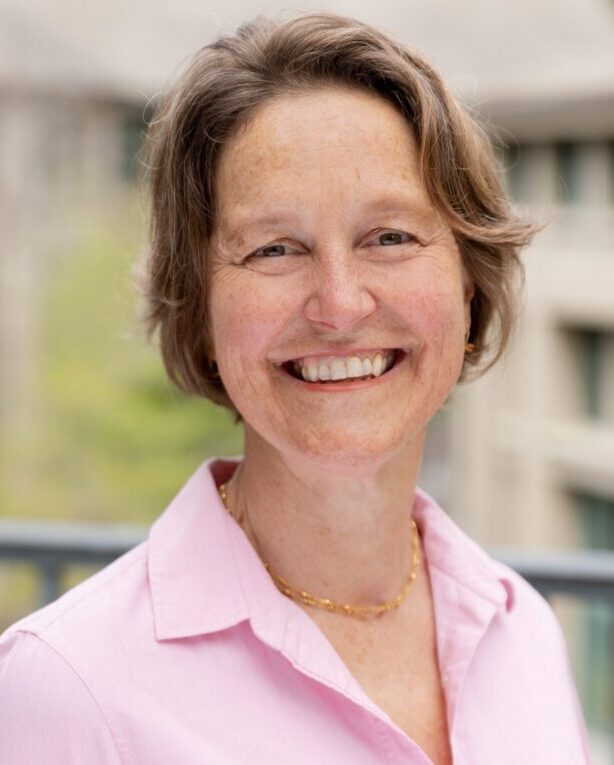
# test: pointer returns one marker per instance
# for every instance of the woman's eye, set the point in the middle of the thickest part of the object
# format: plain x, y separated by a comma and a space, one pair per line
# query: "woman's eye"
393, 237
272, 251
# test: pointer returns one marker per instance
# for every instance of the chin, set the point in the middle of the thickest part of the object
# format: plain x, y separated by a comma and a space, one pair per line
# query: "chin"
364, 446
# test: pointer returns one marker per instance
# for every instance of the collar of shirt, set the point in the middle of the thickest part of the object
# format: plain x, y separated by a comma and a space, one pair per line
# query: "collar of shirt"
206, 577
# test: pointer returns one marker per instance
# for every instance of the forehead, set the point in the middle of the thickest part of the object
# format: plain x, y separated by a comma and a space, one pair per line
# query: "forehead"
327, 116
327, 139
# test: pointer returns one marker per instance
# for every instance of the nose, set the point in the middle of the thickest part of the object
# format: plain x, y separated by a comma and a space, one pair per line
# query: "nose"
339, 297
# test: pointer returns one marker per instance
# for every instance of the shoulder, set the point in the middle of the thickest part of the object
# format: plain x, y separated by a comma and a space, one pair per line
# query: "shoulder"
96, 600
540, 660
53, 702
526, 606
537, 646
49, 714
476, 570
78, 631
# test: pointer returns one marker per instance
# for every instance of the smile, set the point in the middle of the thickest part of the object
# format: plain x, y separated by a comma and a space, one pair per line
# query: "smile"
363, 365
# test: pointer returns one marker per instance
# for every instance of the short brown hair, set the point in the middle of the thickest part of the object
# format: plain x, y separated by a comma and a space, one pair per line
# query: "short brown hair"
224, 83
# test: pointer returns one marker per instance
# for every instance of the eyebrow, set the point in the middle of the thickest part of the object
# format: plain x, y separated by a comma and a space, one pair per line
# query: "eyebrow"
238, 231
402, 203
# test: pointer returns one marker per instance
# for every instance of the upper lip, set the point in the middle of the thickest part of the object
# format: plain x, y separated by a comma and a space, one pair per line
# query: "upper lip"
341, 352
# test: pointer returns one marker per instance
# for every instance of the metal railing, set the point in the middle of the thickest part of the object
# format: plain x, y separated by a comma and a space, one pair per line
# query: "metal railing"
51, 547
586, 574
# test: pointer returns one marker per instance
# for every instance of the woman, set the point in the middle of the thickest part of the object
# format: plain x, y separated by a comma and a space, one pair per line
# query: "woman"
330, 247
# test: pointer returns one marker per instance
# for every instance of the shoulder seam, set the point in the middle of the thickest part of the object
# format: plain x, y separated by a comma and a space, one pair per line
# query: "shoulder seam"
85, 685
38, 629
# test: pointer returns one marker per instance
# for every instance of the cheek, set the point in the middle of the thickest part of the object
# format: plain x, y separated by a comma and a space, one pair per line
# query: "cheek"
437, 321
435, 310
245, 319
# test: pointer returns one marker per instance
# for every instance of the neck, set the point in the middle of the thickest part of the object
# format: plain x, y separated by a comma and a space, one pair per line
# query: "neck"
339, 534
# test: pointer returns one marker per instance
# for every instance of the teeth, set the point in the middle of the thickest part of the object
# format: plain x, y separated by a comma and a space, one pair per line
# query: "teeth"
342, 368
312, 372
378, 365
354, 367
324, 372
338, 370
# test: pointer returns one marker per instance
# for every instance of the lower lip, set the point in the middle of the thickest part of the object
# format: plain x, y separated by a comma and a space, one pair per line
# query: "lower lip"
343, 386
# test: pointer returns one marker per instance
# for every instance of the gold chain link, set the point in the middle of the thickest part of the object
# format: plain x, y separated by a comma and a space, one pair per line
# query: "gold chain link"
302, 596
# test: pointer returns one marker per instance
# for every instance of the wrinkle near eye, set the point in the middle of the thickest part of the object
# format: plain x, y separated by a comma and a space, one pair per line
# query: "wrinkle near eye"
219, 254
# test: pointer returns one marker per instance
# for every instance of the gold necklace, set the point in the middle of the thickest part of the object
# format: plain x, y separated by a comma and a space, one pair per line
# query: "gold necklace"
343, 608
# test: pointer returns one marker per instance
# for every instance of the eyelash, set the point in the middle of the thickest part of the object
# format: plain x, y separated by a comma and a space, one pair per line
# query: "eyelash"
259, 252
386, 232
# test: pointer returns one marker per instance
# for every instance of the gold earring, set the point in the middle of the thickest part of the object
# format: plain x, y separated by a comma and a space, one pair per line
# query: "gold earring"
469, 347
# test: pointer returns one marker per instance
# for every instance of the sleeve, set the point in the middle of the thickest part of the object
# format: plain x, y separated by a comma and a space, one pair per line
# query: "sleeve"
47, 713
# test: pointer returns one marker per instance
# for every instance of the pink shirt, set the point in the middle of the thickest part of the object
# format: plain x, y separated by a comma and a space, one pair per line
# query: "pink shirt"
183, 652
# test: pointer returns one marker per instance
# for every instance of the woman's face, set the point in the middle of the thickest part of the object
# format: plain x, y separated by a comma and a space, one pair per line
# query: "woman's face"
329, 261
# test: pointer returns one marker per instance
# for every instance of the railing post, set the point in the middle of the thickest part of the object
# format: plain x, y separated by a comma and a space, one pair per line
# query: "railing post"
49, 574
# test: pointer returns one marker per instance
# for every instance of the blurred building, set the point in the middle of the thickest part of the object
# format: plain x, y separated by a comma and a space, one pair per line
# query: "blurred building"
541, 426
68, 139
533, 442
523, 457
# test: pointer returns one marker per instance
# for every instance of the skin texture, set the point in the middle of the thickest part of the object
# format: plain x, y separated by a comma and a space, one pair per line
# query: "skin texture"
328, 477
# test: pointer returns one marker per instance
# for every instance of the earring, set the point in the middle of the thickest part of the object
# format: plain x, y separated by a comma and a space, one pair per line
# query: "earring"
469, 347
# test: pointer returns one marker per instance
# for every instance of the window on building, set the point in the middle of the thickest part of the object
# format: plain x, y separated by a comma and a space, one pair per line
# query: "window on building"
567, 162
597, 521
592, 343
588, 371
597, 514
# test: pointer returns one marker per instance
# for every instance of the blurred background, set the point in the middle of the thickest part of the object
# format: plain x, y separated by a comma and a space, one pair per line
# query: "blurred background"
90, 430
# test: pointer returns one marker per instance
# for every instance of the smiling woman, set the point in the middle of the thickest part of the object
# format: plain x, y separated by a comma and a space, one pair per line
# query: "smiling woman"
331, 275
331, 253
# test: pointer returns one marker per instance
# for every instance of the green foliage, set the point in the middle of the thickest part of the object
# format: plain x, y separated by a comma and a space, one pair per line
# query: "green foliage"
113, 440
